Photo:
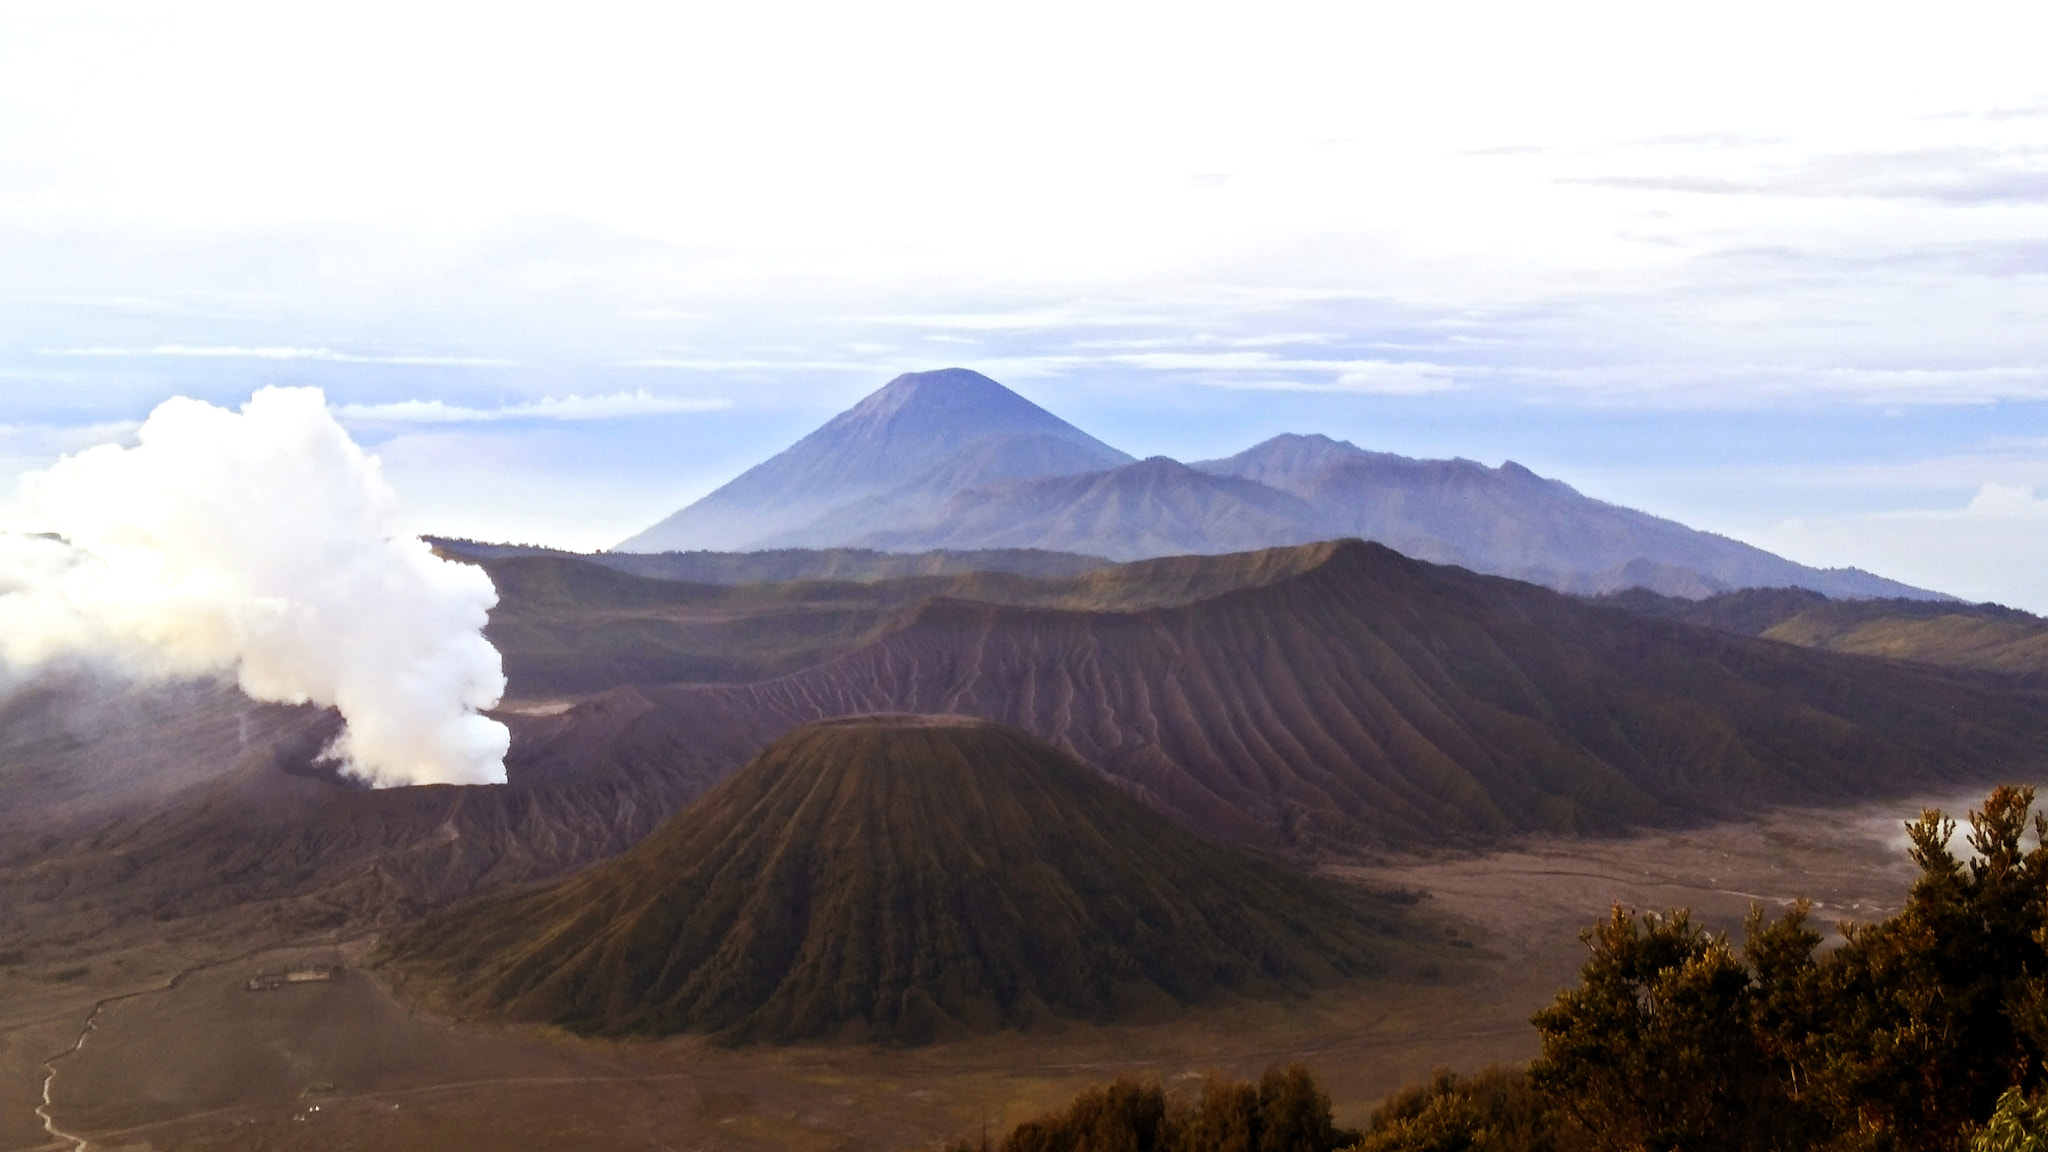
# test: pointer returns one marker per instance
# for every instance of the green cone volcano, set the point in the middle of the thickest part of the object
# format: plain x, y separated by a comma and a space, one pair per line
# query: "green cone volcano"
896, 879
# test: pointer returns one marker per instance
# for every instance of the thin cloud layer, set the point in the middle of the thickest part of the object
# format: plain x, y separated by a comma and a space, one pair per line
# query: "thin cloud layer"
1358, 377
615, 406
230, 352
1953, 175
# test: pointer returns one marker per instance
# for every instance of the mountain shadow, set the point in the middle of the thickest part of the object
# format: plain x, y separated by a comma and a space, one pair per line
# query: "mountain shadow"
898, 879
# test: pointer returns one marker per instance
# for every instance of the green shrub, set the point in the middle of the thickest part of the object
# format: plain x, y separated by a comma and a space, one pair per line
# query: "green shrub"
1495, 1109
1909, 1036
2019, 1125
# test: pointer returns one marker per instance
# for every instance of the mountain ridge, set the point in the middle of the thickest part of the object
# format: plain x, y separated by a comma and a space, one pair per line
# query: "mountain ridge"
1508, 521
1364, 700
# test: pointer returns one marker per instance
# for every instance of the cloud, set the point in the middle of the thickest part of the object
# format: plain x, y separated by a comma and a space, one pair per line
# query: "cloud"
1377, 377
2035, 111
1754, 386
1952, 175
1995, 547
1270, 340
45, 440
1363, 377
1243, 369
616, 406
1090, 314
752, 365
2002, 502
1703, 140
233, 352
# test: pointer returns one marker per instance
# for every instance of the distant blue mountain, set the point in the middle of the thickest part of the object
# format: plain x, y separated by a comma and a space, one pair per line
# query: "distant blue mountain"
903, 450
1508, 521
954, 460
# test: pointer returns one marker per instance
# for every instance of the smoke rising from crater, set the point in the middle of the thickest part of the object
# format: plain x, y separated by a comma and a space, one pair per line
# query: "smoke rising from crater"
260, 545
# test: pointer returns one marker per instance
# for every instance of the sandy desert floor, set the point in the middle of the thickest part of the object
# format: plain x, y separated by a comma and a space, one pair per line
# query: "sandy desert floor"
180, 1056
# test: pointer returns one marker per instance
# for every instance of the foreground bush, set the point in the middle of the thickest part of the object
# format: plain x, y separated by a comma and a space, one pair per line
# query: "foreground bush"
1906, 1037
2019, 1125
1286, 1111
1494, 1110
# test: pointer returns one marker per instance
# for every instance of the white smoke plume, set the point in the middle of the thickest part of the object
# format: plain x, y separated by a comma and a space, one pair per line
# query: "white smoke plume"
260, 545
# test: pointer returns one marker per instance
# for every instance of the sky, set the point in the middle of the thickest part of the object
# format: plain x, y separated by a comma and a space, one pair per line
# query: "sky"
1776, 271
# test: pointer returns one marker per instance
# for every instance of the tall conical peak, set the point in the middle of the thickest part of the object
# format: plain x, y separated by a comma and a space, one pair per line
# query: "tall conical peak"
943, 386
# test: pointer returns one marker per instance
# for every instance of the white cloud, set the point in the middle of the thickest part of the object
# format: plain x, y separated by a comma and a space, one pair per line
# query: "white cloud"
616, 406
1203, 340
232, 352
25, 448
35, 440
1993, 548
1998, 501
1363, 377
1091, 314
1949, 171
1252, 370
750, 365
1764, 386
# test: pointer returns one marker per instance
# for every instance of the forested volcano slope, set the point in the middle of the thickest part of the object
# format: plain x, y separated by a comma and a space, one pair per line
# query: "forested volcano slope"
898, 878
1357, 697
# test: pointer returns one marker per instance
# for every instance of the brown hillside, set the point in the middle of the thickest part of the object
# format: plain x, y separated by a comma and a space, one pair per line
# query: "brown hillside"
1369, 699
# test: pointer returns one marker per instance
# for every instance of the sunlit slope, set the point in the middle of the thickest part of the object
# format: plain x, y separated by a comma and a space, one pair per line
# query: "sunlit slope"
1364, 699
1974, 637
1958, 640
896, 879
